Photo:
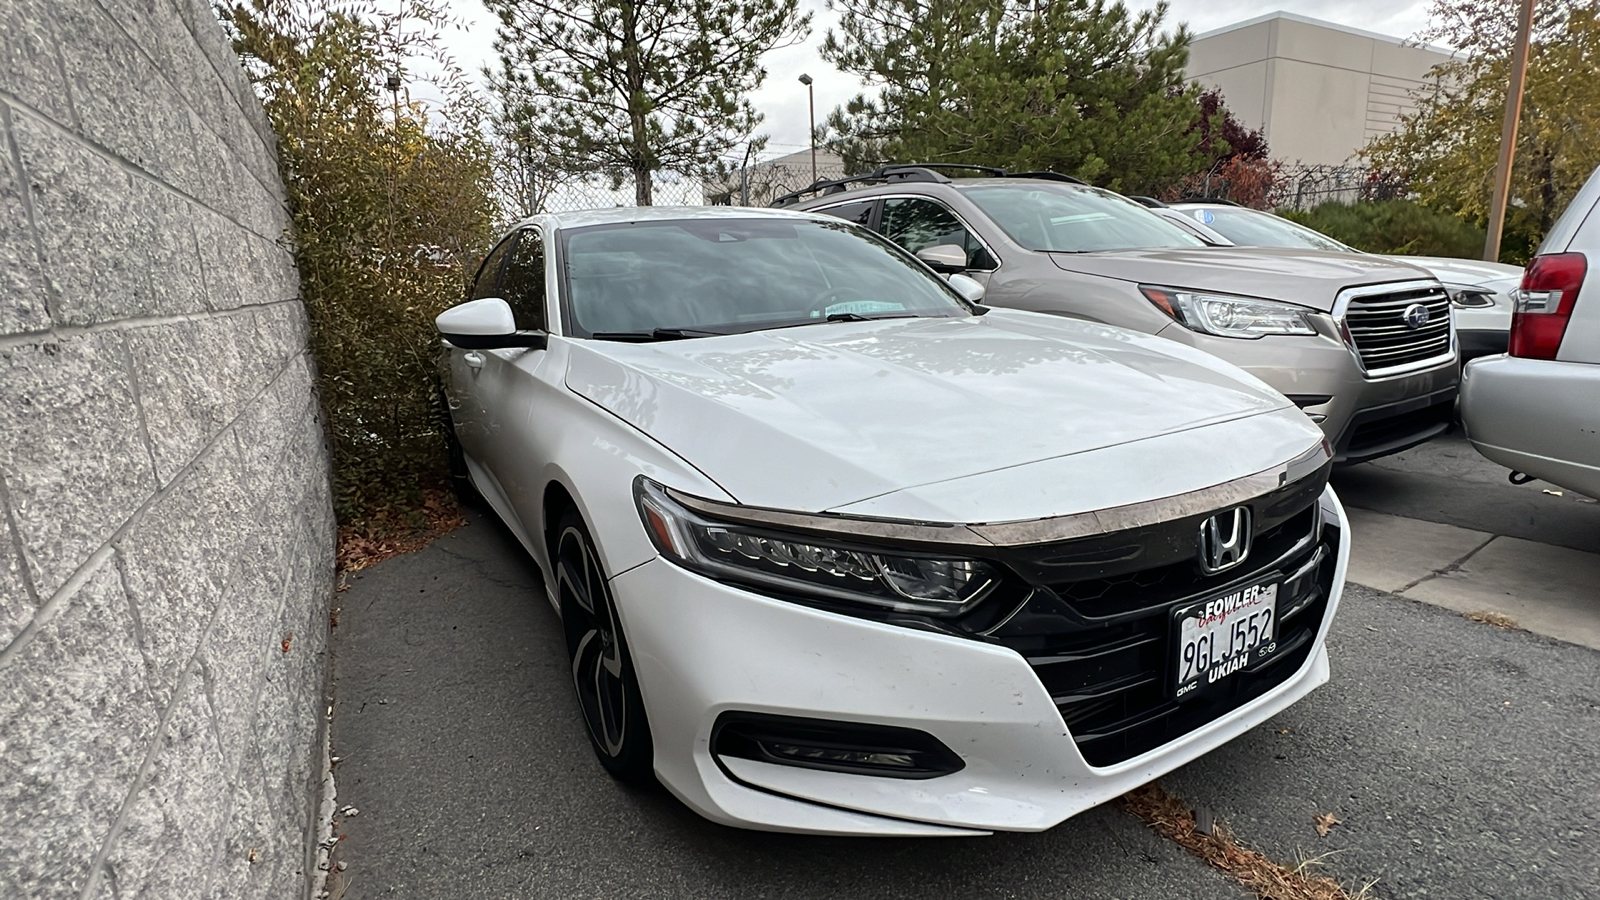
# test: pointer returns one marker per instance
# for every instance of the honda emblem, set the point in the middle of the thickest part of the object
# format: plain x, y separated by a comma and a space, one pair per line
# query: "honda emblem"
1225, 540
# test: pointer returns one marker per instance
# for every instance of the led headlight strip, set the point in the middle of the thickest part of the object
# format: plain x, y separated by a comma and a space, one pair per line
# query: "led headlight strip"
807, 565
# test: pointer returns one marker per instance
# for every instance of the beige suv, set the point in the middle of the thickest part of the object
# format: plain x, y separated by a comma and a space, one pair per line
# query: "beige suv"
1364, 345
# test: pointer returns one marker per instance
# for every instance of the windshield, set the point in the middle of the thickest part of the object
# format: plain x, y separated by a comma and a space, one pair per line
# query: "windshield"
1251, 228
1067, 219
694, 277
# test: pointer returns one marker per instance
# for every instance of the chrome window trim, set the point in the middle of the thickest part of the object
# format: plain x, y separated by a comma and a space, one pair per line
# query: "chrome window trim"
1341, 306
1024, 532
998, 262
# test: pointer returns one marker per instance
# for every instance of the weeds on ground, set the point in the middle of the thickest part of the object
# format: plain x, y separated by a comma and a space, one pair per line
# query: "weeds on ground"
1173, 819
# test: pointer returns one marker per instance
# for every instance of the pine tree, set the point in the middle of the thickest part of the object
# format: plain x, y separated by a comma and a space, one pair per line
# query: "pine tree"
1082, 87
628, 88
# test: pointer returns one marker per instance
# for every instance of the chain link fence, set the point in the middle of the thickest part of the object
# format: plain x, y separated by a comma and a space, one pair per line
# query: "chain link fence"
760, 184
1298, 187
528, 190
1301, 187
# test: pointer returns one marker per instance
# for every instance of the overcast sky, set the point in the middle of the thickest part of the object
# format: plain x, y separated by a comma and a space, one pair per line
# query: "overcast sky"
783, 99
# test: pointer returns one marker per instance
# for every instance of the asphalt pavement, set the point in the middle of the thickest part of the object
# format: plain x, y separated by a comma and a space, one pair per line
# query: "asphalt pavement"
1461, 760
1448, 482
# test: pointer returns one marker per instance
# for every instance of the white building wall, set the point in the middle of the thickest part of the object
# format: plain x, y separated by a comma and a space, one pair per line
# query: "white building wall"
1318, 91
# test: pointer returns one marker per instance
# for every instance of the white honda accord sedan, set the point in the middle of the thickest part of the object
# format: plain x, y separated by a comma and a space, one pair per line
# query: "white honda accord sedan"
837, 550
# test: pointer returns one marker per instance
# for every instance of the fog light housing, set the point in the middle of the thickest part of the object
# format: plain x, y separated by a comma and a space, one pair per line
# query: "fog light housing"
854, 748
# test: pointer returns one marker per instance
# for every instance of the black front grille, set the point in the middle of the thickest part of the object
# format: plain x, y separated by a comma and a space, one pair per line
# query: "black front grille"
1385, 340
1163, 585
1102, 645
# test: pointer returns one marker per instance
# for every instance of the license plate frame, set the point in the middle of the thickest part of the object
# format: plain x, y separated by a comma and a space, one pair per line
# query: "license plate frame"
1227, 622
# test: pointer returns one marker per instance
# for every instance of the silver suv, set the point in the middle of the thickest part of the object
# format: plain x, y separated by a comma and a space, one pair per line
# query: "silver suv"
1364, 345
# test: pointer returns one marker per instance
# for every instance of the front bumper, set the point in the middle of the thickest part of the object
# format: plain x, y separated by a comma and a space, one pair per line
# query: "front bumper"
1363, 417
702, 648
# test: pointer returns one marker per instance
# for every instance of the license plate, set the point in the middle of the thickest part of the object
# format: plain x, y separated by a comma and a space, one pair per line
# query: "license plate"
1220, 636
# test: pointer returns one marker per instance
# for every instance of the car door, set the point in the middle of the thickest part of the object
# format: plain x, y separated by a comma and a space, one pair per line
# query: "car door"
504, 378
465, 367
1028, 281
917, 223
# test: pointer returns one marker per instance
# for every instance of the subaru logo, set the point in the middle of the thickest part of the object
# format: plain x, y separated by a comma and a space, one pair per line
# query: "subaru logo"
1225, 540
1416, 316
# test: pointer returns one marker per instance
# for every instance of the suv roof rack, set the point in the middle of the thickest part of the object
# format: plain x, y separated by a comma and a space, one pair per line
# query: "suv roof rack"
881, 175
911, 172
1151, 202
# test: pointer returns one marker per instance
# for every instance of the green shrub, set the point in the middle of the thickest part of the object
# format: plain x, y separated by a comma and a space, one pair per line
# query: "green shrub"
391, 206
1394, 226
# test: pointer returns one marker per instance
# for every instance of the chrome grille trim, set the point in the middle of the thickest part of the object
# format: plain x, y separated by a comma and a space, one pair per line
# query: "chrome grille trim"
1018, 533
1370, 320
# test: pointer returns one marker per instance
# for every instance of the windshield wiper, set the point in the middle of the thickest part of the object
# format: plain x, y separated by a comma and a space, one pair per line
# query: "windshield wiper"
848, 317
858, 317
654, 334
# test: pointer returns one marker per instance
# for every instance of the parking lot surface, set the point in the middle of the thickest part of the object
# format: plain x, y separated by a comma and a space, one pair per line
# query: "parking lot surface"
1461, 760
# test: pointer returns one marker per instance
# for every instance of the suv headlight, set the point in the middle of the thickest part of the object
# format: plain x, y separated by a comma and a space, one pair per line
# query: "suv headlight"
811, 566
1227, 316
1466, 297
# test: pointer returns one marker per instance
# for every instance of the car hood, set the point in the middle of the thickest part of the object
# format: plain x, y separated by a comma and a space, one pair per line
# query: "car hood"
820, 416
1462, 271
1306, 277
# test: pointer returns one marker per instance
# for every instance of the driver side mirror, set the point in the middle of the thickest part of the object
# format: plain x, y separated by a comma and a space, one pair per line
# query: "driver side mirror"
485, 324
969, 288
946, 259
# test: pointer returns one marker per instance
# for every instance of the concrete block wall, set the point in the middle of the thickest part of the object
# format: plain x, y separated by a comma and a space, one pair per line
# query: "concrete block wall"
166, 535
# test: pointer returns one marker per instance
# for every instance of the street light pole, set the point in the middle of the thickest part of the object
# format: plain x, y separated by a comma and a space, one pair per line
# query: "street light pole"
811, 101
1508, 135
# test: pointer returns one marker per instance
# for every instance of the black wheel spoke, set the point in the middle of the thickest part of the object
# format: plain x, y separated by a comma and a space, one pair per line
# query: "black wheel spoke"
594, 642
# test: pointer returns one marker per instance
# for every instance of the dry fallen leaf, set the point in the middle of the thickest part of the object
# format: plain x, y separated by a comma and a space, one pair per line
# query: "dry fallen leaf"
1498, 620
1325, 823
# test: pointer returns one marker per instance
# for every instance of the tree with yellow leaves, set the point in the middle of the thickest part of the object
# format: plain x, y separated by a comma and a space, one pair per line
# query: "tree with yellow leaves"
1447, 149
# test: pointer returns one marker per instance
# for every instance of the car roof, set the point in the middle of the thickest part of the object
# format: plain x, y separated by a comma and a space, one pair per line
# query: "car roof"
928, 187
629, 214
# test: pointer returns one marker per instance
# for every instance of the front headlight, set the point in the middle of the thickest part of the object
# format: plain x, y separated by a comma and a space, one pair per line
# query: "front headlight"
806, 565
1228, 316
1466, 297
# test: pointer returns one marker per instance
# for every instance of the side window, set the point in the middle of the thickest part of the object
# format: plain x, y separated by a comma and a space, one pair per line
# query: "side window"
859, 213
917, 224
489, 272
522, 285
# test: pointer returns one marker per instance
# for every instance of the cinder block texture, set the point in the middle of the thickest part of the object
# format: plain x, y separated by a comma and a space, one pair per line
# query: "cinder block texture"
166, 531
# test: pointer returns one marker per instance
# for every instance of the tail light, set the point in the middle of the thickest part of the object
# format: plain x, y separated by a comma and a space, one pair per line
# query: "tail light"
1544, 304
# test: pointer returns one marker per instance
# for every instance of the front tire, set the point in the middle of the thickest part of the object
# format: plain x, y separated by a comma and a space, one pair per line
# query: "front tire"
602, 669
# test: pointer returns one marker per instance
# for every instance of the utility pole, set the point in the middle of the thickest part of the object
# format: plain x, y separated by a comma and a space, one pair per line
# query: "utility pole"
811, 100
1508, 134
